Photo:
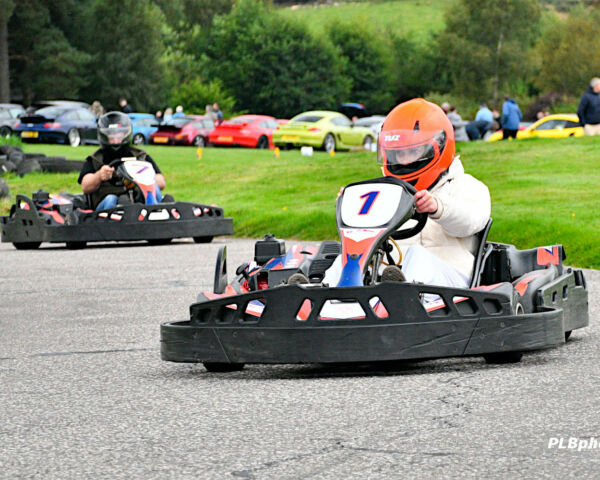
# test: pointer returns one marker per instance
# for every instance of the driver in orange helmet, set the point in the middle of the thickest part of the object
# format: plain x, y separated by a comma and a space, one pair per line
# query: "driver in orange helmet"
416, 144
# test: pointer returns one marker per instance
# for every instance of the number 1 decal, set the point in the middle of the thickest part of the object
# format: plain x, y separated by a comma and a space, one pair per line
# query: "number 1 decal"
370, 198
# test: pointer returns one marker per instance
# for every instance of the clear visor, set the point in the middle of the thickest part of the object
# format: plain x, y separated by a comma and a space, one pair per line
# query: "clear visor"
116, 133
406, 151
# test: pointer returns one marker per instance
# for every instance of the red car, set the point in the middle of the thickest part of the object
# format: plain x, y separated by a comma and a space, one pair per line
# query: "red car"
245, 131
167, 132
196, 132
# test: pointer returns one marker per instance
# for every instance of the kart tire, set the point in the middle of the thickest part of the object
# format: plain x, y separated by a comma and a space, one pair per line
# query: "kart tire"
329, 143
28, 165
76, 245
7, 166
4, 189
368, 142
7, 149
223, 367
60, 165
568, 335
16, 156
206, 239
139, 139
26, 245
5, 131
503, 358
263, 142
74, 137
199, 141
159, 241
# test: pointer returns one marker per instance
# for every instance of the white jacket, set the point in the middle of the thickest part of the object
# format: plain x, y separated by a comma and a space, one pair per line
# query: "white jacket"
464, 207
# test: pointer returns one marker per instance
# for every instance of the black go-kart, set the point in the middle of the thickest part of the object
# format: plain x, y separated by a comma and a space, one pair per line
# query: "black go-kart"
68, 218
278, 310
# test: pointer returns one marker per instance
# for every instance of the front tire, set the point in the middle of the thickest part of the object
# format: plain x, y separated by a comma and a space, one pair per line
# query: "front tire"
223, 367
74, 137
329, 143
139, 139
207, 239
199, 141
263, 142
26, 245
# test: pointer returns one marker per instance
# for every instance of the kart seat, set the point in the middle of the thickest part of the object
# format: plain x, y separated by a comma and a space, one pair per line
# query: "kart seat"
483, 252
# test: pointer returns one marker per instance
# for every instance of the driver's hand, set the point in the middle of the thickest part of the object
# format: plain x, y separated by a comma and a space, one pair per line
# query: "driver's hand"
106, 173
426, 202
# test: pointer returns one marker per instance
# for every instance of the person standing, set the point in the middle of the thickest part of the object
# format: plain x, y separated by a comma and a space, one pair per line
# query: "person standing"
218, 113
511, 117
125, 107
589, 108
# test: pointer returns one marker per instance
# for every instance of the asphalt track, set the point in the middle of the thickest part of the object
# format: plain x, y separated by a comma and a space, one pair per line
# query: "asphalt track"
84, 394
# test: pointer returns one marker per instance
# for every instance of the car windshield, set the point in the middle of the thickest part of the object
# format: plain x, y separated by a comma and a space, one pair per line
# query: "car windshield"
51, 112
178, 122
238, 120
306, 119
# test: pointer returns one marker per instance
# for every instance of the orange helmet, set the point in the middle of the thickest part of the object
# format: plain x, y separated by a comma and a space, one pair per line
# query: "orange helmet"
416, 143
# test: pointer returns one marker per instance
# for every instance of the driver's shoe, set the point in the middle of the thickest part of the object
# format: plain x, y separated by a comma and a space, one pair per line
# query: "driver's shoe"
392, 273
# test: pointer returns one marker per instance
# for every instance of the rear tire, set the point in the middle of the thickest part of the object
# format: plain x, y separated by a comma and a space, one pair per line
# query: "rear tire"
139, 139
223, 367
27, 245
207, 239
73, 137
263, 142
329, 143
160, 241
76, 245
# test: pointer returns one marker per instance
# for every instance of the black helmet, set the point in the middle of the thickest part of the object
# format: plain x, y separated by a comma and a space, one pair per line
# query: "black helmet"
114, 130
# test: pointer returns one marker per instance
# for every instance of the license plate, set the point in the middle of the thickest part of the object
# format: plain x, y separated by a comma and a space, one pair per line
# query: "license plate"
291, 138
29, 134
161, 139
225, 139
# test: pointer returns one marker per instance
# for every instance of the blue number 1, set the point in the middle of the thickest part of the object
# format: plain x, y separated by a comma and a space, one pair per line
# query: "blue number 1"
370, 198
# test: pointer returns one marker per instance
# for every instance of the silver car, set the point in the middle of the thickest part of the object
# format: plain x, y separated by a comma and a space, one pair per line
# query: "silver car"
9, 117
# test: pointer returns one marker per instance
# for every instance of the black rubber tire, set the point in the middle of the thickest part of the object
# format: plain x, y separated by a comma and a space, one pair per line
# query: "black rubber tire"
4, 188
206, 239
76, 245
139, 139
7, 166
5, 131
27, 245
7, 149
568, 335
199, 141
263, 142
16, 156
503, 358
329, 143
60, 165
160, 241
35, 156
223, 367
28, 165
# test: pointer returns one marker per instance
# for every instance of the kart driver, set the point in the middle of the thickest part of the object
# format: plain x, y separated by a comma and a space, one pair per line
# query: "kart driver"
416, 144
96, 177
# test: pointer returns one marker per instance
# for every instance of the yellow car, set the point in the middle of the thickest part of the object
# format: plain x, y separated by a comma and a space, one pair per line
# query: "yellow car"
559, 125
322, 129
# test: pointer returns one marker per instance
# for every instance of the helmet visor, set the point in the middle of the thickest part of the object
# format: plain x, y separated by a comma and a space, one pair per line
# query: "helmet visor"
405, 151
116, 133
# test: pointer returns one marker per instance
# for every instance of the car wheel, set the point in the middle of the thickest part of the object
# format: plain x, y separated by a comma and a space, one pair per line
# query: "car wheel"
368, 143
203, 239
329, 143
74, 137
5, 132
263, 142
139, 139
223, 367
199, 141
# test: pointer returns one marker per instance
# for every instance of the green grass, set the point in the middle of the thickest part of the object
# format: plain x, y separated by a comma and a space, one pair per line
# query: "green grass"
414, 18
543, 191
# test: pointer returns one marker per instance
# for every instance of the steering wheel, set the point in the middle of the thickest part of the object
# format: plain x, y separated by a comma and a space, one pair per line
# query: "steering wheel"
421, 218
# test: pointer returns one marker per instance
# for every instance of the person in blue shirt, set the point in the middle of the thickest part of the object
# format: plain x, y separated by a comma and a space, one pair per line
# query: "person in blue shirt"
482, 123
511, 117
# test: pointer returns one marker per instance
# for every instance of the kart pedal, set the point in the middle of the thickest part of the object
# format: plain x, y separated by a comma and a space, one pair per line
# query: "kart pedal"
392, 273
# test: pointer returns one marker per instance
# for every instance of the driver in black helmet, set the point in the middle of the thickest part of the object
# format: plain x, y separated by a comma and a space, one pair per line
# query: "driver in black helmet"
96, 176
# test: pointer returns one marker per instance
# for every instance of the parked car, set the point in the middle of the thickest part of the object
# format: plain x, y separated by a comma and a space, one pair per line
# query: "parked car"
322, 129
9, 117
196, 133
373, 123
144, 125
559, 125
255, 131
55, 103
167, 132
59, 124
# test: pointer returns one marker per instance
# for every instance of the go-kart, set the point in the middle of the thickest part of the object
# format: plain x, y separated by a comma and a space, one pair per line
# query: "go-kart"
277, 309
137, 216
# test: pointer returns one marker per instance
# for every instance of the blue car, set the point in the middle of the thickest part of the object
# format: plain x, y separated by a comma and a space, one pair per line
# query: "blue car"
144, 124
59, 124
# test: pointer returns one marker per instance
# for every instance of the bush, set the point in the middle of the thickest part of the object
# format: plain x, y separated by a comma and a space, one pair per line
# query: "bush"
196, 94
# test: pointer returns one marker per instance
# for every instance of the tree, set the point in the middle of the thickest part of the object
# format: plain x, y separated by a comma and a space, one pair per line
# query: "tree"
6, 9
568, 53
271, 65
486, 43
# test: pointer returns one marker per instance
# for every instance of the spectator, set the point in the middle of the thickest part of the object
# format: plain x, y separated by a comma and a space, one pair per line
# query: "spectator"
541, 114
125, 107
218, 113
589, 108
210, 113
511, 117
97, 108
482, 123
460, 132
168, 115
178, 112
159, 116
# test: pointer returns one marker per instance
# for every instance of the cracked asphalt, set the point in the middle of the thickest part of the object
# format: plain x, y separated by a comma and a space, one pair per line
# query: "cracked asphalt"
84, 394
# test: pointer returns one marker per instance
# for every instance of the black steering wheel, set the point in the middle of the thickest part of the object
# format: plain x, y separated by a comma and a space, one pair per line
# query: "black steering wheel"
421, 218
